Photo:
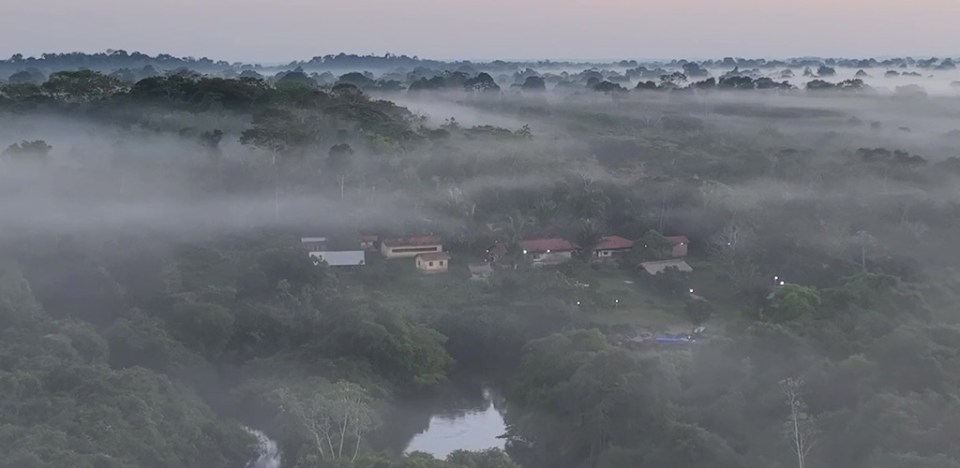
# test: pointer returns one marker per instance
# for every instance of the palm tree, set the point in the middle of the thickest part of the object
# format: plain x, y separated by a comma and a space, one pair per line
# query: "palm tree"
589, 235
515, 226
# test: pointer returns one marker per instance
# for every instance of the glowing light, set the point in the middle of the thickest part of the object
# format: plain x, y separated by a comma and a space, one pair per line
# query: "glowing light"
691, 290
524, 252
782, 283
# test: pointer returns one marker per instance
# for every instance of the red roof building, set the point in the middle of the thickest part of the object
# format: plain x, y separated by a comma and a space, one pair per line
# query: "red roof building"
412, 241
411, 246
679, 245
433, 257
614, 243
611, 246
677, 240
369, 241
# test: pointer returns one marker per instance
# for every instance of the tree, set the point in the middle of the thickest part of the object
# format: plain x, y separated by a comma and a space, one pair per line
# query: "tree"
340, 161
647, 85
652, 246
672, 80
800, 428
36, 149
534, 83
28, 76
864, 240
491, 458
589, 233
357, 79
82, 86
731, 248
826, 71
336, 416
793, 302
693, 69
282, 131
297, 78
210, 140
483, 82
609, 87
698, 311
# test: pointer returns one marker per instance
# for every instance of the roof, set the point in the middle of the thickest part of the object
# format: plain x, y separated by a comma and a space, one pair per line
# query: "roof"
341, 257
614, 243
659, 266
480, 268
677, 240
433, 256
369, 237
547, 245
420, 240
313, 239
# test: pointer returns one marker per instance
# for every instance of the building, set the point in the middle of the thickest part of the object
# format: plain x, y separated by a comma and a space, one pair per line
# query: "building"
612, 246
480, 271
410, 247
342, 258
436, 262
678, 245
657, 267
369, 242
553, 251
314, 244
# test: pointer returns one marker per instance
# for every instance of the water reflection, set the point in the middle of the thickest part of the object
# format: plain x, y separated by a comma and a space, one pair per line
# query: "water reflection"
465, 414
462, 429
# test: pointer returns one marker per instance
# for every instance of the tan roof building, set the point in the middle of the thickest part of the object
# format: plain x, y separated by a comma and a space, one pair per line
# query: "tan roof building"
436, 262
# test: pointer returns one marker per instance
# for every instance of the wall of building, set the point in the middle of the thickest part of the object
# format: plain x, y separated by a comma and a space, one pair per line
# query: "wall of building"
408, 251
552, 258
432, 266
680, 250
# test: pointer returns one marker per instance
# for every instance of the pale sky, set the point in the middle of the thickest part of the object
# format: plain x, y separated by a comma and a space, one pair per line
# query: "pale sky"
283, 30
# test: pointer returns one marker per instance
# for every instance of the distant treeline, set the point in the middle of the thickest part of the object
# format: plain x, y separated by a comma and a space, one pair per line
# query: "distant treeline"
117, 60
32, 87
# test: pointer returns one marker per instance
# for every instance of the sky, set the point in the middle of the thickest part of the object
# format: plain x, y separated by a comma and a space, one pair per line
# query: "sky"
277, 31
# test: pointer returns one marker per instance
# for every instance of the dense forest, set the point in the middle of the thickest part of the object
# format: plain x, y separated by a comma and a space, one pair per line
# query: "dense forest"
158, 306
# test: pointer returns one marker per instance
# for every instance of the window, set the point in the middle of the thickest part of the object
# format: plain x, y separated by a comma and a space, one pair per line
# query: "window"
441, 262
416, 249
430, 264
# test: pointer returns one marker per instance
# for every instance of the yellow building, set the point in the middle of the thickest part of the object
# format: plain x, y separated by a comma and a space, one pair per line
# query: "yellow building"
437, 262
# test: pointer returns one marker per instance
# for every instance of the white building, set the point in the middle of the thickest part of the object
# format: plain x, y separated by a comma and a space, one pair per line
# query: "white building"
341, 258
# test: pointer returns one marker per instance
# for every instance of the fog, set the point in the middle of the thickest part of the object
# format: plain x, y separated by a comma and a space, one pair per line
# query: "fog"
154, 290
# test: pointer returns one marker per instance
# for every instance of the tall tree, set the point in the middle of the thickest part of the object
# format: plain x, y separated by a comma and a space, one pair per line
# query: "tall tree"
800, 428
340, 161
337, 416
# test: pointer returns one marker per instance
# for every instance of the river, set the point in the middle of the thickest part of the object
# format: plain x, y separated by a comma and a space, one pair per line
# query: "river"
268, 455
465, 428
465, 414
